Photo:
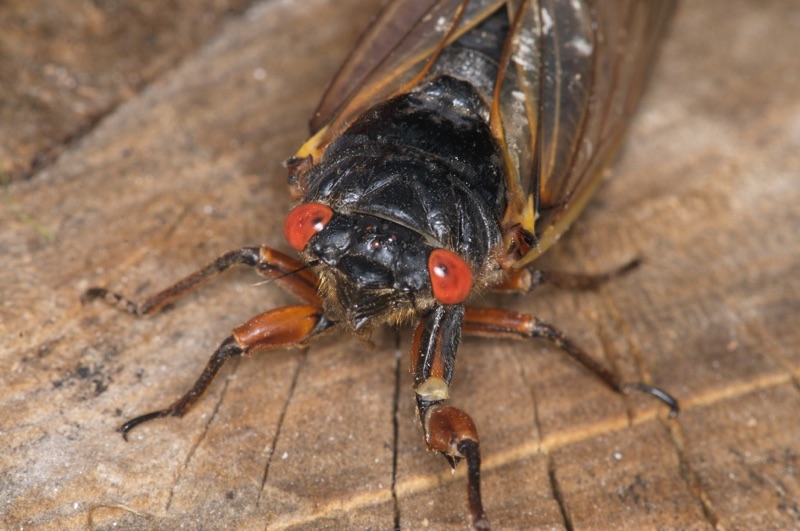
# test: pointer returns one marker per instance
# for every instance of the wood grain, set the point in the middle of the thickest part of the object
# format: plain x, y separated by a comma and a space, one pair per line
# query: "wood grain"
65, 65
190, 166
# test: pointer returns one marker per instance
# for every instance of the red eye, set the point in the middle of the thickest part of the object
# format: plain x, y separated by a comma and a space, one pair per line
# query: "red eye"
451, 277
304, 221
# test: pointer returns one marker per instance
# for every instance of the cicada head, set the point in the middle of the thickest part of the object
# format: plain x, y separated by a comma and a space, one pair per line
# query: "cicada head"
374, 270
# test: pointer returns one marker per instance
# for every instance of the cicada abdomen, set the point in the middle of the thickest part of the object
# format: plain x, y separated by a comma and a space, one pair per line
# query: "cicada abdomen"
457, 143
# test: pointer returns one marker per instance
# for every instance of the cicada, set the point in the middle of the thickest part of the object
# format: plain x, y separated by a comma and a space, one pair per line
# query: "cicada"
456, 144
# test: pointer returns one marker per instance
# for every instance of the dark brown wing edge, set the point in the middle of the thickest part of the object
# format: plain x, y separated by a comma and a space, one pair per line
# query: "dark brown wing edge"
392, 52
390, 26
582, 114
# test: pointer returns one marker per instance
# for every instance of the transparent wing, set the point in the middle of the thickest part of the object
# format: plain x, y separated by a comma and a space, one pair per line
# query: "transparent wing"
374, 46
394, 53
574, 74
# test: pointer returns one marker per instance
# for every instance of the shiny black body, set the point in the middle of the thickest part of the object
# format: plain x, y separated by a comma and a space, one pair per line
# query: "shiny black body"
416, 172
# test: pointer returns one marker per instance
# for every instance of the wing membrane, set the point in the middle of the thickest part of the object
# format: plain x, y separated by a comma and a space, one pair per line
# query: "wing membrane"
579, 67
392, 53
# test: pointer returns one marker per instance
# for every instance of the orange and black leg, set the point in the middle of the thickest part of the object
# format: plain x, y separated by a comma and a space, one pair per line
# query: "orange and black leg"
525, 280
499, 323
288, 272
290, 326
447, 429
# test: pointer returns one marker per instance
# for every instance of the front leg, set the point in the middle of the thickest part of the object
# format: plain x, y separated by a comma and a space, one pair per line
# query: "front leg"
283, 327
291, 326
292, 275
447, 429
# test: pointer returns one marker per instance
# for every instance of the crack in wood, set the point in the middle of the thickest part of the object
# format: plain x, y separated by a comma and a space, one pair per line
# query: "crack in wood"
688, 474
558, 496
200, 439
396, 428
521, 368
301, 362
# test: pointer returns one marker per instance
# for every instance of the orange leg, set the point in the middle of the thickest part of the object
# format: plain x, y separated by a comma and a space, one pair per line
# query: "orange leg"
284, 327
447, 429
499, 323
290, 326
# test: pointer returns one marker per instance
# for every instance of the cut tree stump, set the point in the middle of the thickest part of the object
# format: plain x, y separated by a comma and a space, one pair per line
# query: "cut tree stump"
190, 165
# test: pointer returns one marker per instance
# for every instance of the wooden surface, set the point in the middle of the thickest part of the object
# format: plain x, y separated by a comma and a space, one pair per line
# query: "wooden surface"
190, 166
65, 65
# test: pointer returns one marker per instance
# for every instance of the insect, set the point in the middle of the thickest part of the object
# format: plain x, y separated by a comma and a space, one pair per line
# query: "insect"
459, 140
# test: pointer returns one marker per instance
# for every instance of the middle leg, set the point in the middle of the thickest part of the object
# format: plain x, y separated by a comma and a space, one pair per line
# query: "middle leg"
500, 323
447, 429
